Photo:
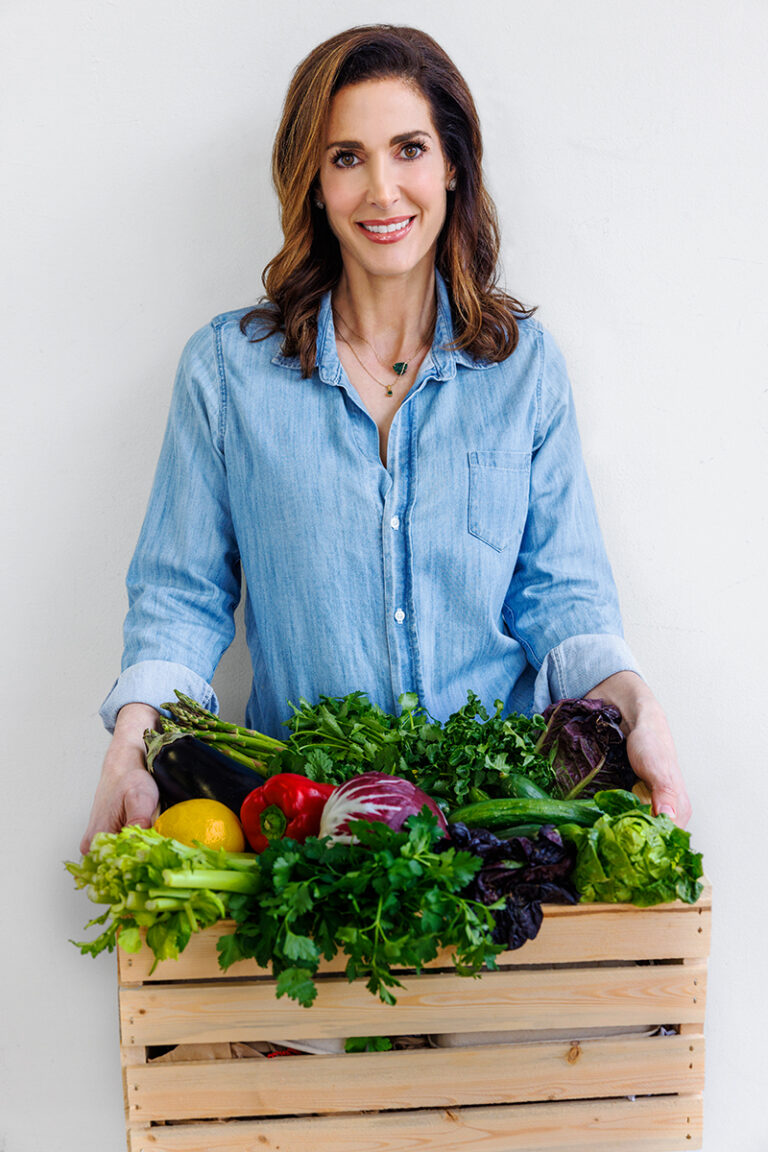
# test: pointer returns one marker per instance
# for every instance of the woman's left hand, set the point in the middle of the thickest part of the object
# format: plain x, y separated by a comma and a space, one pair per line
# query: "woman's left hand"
650, 747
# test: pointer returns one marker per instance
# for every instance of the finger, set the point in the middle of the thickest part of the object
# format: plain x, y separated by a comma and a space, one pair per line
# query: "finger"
139, 804
672, 803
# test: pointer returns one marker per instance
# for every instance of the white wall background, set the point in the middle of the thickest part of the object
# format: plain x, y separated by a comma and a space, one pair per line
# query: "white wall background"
625, 149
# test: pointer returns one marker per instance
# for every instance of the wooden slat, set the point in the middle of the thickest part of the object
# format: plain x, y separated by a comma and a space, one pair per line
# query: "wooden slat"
133, 1056
585, 932
433, 1002
421, 1078
649, 1124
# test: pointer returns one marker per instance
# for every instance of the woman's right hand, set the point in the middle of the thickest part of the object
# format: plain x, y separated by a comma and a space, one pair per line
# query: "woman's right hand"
126, 792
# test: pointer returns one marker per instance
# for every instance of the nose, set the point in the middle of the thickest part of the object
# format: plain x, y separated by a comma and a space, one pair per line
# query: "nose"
383, 190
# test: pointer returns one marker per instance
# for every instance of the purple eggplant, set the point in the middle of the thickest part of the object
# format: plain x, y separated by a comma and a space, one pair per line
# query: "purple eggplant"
189, 768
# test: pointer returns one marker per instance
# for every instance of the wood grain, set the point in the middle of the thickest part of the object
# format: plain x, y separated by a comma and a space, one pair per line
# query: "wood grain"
582, 933
648, 1124
420, 1078
431, 1003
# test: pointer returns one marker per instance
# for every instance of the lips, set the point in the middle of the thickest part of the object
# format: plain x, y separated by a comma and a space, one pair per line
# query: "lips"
386, 231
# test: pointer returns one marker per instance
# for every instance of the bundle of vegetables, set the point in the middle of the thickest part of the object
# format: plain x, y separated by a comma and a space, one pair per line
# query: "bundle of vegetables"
472, 757
623, 853
347, 817
150, 881
576, 747
386, 881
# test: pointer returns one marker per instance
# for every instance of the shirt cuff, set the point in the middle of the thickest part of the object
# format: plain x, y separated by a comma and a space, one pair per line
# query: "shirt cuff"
153, 682
576, 665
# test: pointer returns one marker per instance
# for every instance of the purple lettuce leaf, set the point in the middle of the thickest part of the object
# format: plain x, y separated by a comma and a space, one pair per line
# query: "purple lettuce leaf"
588, 747
523, 871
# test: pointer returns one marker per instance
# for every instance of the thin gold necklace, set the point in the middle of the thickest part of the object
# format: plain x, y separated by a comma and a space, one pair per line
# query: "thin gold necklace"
400, 367
387, 387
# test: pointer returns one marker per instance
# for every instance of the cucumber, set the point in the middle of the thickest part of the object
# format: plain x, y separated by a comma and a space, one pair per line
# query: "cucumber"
519, 787
505, 813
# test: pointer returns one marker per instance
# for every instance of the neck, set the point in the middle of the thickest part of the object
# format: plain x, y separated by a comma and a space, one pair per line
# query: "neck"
394, 313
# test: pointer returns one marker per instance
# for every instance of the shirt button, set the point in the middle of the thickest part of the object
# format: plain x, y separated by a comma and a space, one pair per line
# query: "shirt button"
395, 522
399, 615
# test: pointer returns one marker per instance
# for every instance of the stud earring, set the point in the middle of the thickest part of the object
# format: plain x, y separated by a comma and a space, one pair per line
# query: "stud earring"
452, 184
319, 204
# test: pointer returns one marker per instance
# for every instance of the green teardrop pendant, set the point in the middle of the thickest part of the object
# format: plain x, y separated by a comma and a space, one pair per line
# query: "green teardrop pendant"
401, 367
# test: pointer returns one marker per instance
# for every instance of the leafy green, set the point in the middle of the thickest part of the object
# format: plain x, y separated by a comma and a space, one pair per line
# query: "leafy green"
390, 900
576, 747
150, 881
476, 752
470, 756
587, 747
337, 738
367, 1044
631, 856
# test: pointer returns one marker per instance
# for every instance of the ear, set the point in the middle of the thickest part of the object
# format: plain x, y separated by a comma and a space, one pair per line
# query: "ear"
450, 178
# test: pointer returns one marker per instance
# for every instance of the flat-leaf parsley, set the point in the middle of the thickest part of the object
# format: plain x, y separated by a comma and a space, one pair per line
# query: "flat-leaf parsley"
391, 900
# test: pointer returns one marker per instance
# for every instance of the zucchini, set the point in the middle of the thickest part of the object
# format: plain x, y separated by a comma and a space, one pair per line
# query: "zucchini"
505, 813
518, 787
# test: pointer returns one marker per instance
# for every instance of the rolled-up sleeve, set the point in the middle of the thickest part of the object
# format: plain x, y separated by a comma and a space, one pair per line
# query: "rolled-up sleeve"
562, 603
184, 579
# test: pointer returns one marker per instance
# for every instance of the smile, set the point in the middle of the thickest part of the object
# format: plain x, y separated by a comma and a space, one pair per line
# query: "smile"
386, 231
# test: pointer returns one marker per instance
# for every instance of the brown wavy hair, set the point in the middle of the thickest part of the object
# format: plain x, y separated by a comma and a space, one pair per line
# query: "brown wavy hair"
309, 262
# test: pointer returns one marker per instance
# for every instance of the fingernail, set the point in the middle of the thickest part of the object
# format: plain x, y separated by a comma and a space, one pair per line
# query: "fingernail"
667, 811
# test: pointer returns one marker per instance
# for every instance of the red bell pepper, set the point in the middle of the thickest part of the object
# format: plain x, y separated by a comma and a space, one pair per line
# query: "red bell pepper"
286, 805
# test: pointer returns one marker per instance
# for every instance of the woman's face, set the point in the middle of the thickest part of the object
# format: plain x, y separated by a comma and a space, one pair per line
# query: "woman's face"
383, 178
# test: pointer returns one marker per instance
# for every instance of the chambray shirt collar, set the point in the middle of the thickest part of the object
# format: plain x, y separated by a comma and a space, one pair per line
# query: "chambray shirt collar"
441, 363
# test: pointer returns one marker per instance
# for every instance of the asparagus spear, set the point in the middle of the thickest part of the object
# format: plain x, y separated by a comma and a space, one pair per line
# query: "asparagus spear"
229, 738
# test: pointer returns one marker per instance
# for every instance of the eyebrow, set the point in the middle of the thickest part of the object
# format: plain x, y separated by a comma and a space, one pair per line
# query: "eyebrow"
401, 139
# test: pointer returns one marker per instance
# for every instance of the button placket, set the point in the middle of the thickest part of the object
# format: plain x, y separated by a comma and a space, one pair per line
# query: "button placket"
395, 542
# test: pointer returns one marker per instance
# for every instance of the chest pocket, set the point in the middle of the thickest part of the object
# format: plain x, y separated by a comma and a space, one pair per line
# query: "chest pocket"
498, 496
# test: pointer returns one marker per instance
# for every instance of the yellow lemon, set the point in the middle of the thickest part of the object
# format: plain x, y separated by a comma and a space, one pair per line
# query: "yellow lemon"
208, 821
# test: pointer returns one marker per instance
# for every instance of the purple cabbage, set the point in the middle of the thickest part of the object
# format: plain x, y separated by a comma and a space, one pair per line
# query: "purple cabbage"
374, 796
588, 747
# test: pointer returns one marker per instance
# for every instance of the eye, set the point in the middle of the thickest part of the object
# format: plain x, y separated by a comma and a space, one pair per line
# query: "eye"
344, 160
412, 150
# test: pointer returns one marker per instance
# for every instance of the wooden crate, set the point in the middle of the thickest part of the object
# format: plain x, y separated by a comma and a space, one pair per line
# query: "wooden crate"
591, 966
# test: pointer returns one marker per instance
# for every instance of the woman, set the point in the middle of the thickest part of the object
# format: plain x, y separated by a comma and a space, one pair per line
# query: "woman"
386, 450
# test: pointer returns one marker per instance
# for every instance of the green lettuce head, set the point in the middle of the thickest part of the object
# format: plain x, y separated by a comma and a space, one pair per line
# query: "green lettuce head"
630, 856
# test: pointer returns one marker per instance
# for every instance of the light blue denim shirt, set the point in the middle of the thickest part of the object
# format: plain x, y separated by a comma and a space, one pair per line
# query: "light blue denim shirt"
473, 560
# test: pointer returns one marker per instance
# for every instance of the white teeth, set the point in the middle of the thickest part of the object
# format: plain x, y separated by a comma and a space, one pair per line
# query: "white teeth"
387, 227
